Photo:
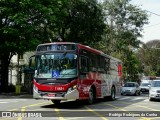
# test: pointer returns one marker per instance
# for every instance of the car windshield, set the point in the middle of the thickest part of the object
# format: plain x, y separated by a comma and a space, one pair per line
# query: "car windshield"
155, 84
129, 85
145, 84
56, 65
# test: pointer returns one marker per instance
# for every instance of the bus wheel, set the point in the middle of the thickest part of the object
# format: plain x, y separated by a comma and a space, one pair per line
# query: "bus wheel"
56, 102
113, 93
91, 96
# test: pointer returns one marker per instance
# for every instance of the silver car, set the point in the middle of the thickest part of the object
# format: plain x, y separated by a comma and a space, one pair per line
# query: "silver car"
154, 90
130, 88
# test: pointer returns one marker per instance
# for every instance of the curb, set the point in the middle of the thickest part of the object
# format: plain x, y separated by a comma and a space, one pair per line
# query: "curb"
16, 95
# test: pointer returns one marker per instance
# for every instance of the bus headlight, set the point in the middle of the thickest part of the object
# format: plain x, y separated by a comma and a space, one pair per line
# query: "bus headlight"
35, 88
71, 88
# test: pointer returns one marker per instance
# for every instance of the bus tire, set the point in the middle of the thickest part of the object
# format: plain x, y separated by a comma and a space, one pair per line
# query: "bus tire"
56, 102
113, 93
91, 97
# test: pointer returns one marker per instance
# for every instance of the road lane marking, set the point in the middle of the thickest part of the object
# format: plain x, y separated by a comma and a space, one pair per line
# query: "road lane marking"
22, 110
13, 110
36, 104
141, 118
3, 102
75, 118
123, 98
59, 114
6, 118
138, 98
96, 113
145, 119
24, 107
122, 109
146, 100
115, 107
155, 118
131, 99
31, 105
139, 106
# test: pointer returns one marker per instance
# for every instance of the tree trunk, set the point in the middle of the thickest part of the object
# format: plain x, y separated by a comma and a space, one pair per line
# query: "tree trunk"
5, 61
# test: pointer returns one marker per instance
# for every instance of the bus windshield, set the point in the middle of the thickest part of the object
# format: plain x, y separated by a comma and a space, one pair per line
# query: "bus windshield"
56, 65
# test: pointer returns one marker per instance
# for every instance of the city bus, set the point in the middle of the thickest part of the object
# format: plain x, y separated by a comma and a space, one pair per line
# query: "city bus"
65, 71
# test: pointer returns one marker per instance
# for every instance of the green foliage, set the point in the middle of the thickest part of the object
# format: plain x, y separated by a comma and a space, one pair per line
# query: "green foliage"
26, 23
148, 56
125, 24
111, 27
83, 23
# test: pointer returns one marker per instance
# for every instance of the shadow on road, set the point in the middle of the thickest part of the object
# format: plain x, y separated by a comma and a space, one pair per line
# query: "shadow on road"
66, 105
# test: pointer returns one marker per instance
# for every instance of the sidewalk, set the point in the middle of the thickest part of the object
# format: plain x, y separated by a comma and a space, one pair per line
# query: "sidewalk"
14, 95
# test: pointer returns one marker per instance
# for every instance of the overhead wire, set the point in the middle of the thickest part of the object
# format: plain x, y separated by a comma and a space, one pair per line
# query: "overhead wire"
152, 12
153, 24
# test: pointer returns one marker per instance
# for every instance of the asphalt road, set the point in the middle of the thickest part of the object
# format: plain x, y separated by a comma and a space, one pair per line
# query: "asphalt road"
123, 108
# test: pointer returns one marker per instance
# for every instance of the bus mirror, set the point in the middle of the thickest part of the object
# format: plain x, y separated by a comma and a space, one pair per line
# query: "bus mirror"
32, 62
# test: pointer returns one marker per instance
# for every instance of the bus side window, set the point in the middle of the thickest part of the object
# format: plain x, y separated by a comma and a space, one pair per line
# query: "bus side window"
92, 62
101, 63
84, 64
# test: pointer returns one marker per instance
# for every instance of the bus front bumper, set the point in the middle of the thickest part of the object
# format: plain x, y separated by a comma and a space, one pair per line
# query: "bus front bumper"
71, 95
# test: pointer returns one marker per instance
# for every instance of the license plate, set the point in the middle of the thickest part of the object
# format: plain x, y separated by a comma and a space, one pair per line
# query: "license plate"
51, 94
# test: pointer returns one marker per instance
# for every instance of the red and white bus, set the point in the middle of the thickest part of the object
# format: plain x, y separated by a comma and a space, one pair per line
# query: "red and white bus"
72, 71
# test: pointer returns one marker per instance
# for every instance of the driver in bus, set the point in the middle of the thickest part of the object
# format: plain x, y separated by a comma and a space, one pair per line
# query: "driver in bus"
66, 63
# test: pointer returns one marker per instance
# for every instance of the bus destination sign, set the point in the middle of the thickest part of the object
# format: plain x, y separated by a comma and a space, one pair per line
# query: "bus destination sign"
56, 47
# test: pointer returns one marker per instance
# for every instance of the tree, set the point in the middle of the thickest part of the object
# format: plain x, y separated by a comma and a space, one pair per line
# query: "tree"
26, 23
148, 56
23, 25
84, 22
125, 23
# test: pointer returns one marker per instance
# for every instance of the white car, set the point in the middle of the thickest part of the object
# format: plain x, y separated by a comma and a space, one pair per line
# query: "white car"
144, 87
154, 90
130, 88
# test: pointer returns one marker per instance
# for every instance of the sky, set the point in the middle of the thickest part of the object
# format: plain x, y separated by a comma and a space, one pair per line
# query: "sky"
152, 30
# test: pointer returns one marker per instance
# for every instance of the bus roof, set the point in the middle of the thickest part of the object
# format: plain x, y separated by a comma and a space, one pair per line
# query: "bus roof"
99, 52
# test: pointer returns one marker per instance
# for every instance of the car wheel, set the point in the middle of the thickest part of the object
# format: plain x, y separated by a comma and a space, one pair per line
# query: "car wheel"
139, 93
136, 93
